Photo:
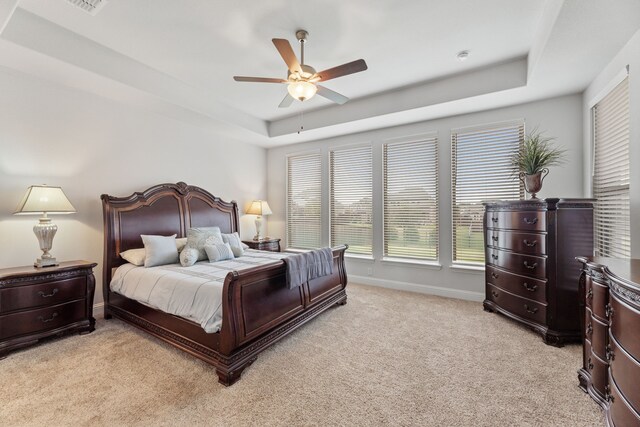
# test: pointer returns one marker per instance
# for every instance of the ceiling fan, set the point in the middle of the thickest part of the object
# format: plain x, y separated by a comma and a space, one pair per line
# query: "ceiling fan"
302, 79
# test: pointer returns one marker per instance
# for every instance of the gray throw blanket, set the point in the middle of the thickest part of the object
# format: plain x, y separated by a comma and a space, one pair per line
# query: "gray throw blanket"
308, 265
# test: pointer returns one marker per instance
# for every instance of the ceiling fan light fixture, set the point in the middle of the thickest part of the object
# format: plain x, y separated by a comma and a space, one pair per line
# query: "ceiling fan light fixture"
302, 90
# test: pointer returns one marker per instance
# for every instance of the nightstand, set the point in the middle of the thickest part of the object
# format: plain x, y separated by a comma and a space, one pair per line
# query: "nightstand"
36, 303
267, 244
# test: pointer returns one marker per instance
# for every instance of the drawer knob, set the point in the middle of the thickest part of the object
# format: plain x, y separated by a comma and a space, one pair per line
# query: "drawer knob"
495, 294
590, 365
43, 320
43, 295
530, 243
590, 294
494, 275
530, 288
494, 256
608, 353
589, 328
608, 311
494, 219
530, 221
530, 266
494, 238
533, 310
607, 393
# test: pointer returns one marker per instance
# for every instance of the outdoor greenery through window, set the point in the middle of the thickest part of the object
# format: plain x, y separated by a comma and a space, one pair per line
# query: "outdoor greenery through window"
480, 170
304, 183
411, 199
350, 182
611, 173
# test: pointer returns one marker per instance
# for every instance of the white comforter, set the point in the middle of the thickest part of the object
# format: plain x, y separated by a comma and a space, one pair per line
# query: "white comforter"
194, 293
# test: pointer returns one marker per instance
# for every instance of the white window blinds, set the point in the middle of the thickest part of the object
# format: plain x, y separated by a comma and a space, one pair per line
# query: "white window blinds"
611, 173
410, 192
480, 170
304, 184
350, 179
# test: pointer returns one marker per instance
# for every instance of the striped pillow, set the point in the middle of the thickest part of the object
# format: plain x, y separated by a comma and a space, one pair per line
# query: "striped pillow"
234, 241
218, 252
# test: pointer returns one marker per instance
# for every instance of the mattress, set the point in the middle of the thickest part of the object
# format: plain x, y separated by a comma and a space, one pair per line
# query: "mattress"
194, 293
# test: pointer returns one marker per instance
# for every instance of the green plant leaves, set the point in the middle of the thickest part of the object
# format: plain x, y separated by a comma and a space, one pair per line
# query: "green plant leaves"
537, 153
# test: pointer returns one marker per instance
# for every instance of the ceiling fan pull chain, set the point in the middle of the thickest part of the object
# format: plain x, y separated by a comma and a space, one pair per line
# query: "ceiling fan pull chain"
301, 121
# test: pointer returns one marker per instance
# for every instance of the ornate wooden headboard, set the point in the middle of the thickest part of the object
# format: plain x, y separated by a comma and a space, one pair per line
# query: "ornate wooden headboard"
163, 209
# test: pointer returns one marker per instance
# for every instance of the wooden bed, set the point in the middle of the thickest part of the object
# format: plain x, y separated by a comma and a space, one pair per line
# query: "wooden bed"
258, 308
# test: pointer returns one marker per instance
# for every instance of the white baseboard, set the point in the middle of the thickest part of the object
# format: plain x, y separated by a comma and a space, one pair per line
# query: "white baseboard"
98, 310
422, 289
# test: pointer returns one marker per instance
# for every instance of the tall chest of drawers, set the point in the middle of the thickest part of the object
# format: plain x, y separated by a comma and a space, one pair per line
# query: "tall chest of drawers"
531, 274
36, 303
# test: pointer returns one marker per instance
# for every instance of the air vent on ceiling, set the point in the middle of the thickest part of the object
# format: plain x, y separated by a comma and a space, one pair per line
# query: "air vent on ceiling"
92, 7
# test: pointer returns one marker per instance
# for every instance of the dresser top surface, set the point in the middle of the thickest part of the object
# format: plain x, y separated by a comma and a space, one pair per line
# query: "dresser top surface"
29, 270
538, 202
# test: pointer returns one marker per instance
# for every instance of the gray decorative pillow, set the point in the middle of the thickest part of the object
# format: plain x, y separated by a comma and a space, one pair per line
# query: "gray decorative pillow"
196, 238
234, 241
188, 256
159, 250
218, 252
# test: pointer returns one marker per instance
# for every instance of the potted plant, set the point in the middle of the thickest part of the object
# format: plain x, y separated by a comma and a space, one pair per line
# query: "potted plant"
532, 161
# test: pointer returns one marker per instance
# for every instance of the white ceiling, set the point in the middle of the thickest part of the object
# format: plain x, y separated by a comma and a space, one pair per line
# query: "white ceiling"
177, 58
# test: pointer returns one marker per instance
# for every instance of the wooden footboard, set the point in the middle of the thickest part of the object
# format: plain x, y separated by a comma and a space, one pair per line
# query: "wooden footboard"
259, 309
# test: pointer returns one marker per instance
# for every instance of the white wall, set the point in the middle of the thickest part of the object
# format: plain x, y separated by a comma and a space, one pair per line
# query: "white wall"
560, 117
89, 145
628, 55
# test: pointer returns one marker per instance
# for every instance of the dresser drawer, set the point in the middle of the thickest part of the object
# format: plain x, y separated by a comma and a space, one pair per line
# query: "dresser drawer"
527, 265
527, 287
517, 220
600, 299
519, 306
598, 370
625, 325
625, 369
599, 338
42, 319
42, 294
620, 410
524, 243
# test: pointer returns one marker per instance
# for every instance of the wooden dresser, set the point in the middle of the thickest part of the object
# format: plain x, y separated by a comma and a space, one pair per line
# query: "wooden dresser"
531, 273
40, 302
610, 296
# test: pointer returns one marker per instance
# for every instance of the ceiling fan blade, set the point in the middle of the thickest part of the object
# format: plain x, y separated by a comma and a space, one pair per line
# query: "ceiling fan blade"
331, 95
286, 102
258, 79
284, 47
342, 70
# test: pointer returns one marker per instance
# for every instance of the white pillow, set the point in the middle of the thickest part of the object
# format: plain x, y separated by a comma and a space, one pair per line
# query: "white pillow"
233, 239
159, 250
218, 252
134, 256
196, 238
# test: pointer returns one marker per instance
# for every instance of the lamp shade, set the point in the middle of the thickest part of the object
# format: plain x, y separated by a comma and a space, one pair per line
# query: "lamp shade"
259, 207
44, 199
302, 90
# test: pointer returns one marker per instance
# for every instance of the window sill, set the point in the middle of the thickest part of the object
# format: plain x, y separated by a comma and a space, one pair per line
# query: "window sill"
468, 268
434, 265
359, 257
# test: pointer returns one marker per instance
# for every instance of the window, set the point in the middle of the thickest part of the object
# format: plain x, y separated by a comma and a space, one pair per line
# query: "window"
480, 170
304, 184
611, 173
350, 180
411, 199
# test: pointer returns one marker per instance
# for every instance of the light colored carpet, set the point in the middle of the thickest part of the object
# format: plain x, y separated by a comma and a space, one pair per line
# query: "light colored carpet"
386, 358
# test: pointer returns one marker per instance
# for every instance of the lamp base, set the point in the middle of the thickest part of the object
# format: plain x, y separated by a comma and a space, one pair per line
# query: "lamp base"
45, 262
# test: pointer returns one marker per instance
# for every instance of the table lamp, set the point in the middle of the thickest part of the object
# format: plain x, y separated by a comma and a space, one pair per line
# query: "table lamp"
42, 199
259, 207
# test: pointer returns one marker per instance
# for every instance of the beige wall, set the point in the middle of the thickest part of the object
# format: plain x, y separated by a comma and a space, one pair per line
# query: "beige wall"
89, 145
